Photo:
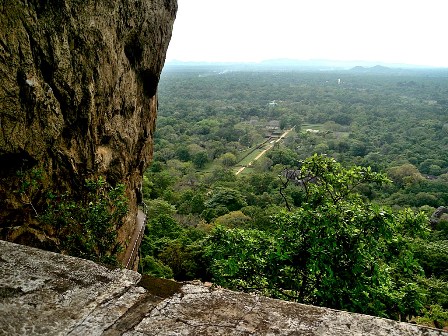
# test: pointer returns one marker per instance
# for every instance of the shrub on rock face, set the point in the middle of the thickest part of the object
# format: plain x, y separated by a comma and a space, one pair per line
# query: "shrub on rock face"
87, 227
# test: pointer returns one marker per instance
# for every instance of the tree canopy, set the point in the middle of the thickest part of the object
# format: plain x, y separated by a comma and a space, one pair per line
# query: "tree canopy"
329, 229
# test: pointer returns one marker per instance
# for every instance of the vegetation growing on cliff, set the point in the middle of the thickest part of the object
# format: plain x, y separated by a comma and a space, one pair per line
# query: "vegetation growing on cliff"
89, 225
83, 225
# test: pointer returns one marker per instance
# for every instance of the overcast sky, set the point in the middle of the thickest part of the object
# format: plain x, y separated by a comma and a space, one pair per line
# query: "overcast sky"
393, 31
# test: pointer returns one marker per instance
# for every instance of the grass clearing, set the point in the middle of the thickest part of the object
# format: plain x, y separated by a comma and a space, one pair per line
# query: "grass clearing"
248, 159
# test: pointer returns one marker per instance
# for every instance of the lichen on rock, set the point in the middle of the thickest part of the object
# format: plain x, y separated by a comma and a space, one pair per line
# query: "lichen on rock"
77, 100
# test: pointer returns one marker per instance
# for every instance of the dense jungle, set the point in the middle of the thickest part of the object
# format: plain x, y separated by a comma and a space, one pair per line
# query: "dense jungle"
322, 187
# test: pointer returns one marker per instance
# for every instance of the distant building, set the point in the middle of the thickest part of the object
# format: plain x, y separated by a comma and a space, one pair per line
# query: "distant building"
273, 125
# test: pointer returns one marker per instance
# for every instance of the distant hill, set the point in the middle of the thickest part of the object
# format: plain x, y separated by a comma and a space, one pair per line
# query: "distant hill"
303, 65
374, 69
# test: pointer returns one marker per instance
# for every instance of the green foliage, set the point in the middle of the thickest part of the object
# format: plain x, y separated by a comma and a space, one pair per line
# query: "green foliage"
436, 290
325, 180
169, 250
333, 251
191, 202
184, 258
228, 159
87, 227
283, 156
434, 316
240, 258
154, 267
164, 226
30, 181
405, 174
200, 159
183, 154
157, 183
233, 219
222, 200
433, 257
29, 188
393, 124
157, 207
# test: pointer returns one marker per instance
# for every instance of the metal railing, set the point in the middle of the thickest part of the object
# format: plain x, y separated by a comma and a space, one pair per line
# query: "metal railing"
138, 240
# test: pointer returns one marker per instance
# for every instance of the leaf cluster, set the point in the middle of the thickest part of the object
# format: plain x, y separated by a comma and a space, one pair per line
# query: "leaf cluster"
87, 226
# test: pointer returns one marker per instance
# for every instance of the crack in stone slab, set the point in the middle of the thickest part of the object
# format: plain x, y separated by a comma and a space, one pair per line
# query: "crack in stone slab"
108, 311
206, 324
133, 315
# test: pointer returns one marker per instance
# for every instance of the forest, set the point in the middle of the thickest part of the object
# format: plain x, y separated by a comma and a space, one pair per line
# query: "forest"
321, 187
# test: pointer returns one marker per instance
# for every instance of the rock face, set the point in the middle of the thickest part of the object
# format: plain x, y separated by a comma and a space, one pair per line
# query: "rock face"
77, 100
45, 293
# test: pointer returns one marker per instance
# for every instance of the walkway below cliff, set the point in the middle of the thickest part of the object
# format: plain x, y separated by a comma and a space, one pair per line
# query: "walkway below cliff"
132, 249
44, 293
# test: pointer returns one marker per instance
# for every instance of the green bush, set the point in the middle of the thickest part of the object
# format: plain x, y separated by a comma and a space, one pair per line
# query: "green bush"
155, 267
168, 246
336, 250
86, 227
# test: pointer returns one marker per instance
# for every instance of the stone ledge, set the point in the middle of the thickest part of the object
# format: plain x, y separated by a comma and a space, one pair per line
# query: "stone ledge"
44, 293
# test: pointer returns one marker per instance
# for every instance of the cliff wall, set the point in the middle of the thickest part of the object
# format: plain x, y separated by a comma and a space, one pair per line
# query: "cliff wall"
77, 100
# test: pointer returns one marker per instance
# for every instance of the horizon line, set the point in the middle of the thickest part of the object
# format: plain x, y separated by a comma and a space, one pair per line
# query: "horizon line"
293, 61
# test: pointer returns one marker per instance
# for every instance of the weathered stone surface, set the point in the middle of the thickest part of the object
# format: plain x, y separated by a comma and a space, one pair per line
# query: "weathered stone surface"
44, 293
77, 99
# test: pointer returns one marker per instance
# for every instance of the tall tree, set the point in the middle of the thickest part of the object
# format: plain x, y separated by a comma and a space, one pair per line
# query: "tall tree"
335, 250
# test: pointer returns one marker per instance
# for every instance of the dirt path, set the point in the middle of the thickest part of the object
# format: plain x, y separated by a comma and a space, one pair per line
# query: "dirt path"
264, 151
240, 170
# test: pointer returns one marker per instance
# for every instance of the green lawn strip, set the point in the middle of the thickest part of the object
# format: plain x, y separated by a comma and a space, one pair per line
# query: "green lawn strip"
249, 151
267, 144
248, 159
247, 171
304, 127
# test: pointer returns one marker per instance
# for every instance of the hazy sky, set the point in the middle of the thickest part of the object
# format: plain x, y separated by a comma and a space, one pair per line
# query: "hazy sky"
397, 31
